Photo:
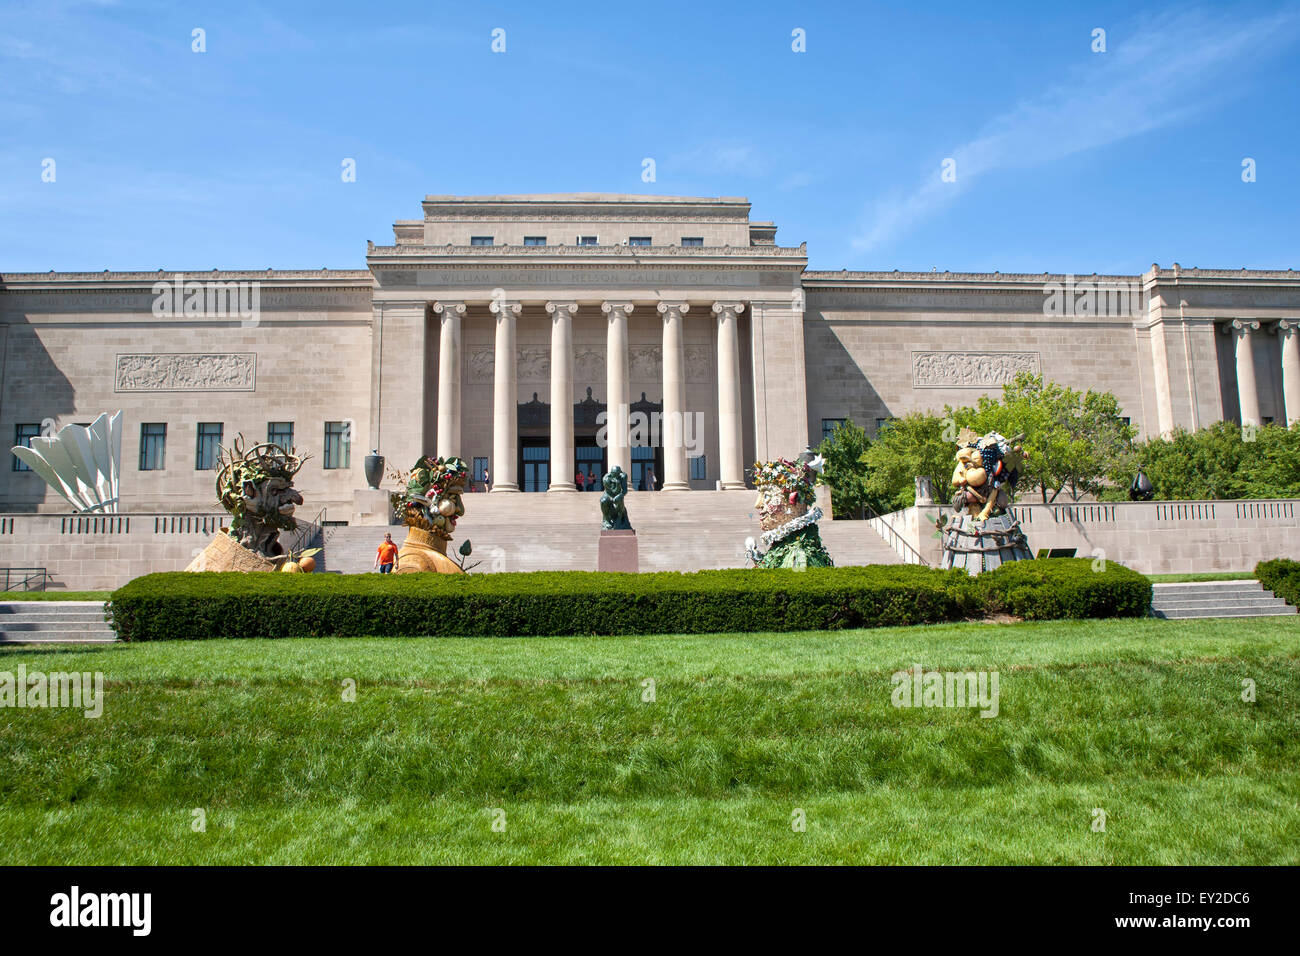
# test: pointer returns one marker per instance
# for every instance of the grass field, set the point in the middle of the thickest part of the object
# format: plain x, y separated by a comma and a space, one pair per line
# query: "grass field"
1142, 719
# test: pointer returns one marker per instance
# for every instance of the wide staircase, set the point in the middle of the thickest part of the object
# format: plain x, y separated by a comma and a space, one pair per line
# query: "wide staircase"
676, 531
1216, 599
54, 622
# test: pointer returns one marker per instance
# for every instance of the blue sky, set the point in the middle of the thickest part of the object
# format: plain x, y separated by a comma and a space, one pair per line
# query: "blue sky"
1065, 159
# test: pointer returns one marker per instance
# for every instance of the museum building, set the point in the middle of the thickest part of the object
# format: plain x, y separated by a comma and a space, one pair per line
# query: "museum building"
677, 336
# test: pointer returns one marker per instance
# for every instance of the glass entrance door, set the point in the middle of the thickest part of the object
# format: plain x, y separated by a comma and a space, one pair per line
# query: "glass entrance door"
537, 467
589, 458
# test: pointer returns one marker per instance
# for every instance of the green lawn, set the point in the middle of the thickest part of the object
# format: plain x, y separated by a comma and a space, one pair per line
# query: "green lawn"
1141, 718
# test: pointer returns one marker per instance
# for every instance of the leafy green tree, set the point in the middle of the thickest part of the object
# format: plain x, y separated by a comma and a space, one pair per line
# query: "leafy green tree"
916, 445
1223, 461
844, 450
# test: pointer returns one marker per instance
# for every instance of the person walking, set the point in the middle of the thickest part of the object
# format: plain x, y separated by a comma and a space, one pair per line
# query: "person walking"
649, 479
487, 480
593, 483
386, 557
580, 480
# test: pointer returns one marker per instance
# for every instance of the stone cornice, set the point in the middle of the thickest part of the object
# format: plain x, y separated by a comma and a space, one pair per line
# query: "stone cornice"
332, 280
590, 207
462, 255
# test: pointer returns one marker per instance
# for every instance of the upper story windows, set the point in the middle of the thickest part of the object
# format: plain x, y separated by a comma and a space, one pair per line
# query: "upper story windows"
638, 240
587, 241
480, 240
534, 240
692, 240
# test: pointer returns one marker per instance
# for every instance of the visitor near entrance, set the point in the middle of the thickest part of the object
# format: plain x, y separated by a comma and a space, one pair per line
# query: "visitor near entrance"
386, 557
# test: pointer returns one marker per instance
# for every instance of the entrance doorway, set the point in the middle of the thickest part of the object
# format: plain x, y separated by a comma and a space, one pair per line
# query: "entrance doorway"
588, 458
536, 464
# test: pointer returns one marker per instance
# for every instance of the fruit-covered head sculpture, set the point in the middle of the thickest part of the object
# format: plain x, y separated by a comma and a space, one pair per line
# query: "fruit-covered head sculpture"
432, 499
256, 487
986, 473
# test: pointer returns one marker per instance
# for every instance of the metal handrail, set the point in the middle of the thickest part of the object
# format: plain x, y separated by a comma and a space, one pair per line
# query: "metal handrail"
894, 539
24, 582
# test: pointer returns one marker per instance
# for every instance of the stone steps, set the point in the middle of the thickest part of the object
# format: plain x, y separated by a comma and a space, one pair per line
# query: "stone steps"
54, 622
1216, 599
682, 531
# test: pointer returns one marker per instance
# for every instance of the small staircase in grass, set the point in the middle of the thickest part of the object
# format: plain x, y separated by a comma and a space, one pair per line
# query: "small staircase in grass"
1216, 599
54, 622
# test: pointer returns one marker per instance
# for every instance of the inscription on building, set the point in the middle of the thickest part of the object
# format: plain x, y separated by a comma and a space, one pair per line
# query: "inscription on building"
186, 372
970, 369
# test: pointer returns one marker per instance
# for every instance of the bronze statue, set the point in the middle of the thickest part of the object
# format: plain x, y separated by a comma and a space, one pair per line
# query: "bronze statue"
613, 503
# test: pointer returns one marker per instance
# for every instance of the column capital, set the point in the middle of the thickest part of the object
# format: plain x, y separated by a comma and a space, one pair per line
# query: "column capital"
1288, 325
611, 307
681, 308
1242, 326
566, 307
505, 309
734, 307
455, 308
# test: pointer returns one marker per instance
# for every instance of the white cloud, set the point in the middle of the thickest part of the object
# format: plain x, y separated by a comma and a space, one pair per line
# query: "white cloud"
1167, 69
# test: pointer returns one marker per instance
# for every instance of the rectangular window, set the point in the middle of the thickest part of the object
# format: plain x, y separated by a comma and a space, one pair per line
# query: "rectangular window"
881, 423
829, 425
280, 433
338, 445
534, 240
480, 469
638, 240
480, 240
699, 468
153, 446
208, 446
692, 240
587, 241
23, 435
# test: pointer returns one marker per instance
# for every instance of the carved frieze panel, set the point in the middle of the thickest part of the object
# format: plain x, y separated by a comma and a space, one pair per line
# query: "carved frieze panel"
970, 369
589, 365
186, 372
644, 364
482, 365
699, 362
534, 364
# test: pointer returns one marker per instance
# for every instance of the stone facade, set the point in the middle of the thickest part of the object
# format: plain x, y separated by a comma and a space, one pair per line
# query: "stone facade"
486, 313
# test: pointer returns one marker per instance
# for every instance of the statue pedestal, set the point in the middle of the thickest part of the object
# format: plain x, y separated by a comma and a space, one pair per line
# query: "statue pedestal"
370, 506
618, 552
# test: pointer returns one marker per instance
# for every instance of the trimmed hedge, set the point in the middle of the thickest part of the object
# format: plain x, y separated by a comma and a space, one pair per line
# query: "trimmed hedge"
1282, 577
1047, 589
209, 605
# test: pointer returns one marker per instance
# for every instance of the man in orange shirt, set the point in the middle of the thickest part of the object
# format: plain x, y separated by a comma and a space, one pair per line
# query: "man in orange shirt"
387, 556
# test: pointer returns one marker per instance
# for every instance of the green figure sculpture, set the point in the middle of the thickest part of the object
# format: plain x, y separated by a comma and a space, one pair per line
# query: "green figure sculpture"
613, 503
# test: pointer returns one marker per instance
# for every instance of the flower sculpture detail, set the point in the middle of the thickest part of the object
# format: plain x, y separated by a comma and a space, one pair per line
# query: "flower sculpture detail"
787, 515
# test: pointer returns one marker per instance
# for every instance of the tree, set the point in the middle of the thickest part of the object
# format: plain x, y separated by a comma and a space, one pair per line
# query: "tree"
916, 445
845, 472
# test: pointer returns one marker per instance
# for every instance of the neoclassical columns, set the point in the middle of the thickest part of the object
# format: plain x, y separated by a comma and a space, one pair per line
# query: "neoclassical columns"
676, 476
449, 378
505, 392
1288, 333
730, 448
1242, 331
618, 394
562, 452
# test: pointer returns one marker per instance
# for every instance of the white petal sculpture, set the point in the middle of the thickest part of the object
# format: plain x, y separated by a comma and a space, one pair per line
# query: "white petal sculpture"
80, 463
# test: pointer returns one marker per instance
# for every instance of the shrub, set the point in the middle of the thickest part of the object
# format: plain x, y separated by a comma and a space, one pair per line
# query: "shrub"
188, 606
1282, 577
197, 606
1065, 588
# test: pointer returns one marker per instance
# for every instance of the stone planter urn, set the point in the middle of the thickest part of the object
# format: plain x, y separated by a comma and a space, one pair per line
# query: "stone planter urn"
374, 468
